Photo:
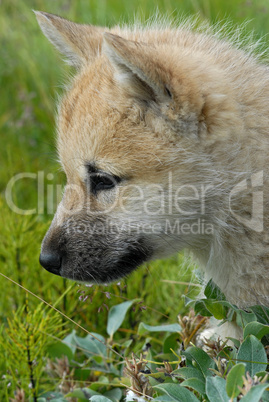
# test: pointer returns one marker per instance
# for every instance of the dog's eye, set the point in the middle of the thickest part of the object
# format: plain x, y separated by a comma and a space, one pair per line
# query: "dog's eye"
102, 181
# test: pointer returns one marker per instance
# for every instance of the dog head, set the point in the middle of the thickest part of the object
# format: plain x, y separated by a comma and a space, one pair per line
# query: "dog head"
135, 129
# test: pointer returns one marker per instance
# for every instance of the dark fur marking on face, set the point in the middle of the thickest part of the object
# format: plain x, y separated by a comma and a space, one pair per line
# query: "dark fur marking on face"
91, 167
100, 180
99, 256
168, 92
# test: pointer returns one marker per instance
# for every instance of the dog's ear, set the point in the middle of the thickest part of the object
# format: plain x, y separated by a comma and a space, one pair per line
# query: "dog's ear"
136, 68
79, 43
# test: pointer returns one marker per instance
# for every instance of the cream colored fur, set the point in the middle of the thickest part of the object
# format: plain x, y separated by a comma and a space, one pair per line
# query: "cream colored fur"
166, 108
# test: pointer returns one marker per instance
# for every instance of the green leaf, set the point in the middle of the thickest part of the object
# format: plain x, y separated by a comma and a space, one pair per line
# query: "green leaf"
200, 308
82, 374
235, 341
262, 374
177, 392
195, 383
99, 398
257, 329
212, 291
253, 354
200, 359
215, 389
235, 380
125, 344
244, 317
163, 398
221, 307
255, 393
159, 378
151, 357
48, 396
114, 394
188, 301
92, 347
228, 353
171, 342
158, 328
117, 382
262, 313
102, 379
218, 310
70, 341
169, 357
188, 372
82, 394
58, 350
116, 316
265, 396
231, 315
121, 382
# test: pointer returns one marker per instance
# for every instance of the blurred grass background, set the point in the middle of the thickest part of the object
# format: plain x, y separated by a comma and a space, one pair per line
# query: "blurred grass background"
31, 76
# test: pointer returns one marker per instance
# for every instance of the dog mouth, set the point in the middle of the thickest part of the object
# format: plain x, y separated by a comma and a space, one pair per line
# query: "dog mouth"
125, 264
107, 266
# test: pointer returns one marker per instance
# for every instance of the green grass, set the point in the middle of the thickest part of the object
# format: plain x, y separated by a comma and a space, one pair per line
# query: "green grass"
31, 77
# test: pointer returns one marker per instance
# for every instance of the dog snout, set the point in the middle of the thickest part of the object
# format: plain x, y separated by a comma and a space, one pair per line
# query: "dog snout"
51, 261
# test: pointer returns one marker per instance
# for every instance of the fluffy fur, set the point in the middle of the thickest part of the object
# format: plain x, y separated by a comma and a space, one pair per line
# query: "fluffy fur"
178, 119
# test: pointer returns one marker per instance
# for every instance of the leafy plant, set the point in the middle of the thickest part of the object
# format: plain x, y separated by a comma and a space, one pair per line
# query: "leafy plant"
23, 345
160, 367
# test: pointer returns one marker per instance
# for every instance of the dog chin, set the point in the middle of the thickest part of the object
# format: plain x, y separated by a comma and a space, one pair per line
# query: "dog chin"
106, 273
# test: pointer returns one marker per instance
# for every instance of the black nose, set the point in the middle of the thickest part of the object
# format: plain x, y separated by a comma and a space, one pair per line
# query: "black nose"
51, 262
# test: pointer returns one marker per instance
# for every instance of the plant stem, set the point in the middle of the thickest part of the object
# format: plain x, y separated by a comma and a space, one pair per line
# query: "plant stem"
29, 360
